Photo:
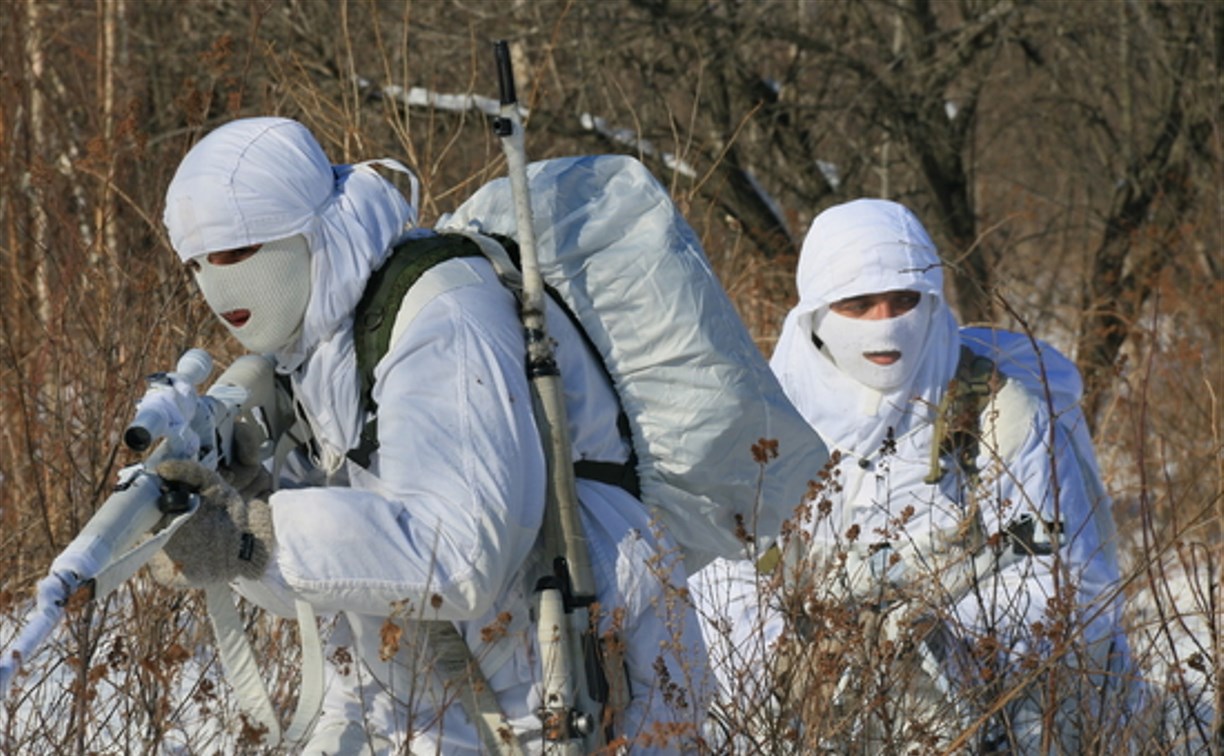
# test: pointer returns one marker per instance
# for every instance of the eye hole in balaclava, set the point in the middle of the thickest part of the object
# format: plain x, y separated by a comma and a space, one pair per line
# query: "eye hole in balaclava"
262, 299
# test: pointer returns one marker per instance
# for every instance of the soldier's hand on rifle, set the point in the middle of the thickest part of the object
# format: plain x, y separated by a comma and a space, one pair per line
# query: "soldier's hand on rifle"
245, 470
229, 536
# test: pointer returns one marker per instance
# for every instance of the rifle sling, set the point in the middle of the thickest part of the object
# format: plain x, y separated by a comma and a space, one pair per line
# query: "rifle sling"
958, 418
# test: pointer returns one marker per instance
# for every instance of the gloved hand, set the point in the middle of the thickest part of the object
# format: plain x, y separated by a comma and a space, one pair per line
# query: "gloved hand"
227, 537
245, 471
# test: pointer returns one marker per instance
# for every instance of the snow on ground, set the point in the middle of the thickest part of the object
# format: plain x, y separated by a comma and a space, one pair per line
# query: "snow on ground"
1170, 630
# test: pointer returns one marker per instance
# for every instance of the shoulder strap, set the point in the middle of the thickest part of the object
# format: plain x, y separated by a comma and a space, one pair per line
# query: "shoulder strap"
375, 316
958, 418
376, 319
242, 671
621, 474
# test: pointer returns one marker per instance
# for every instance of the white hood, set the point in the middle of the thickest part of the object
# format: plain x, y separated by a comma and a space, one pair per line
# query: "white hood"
863, 247
256, 180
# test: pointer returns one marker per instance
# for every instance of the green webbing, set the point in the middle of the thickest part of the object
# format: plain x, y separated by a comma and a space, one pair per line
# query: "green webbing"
374, 318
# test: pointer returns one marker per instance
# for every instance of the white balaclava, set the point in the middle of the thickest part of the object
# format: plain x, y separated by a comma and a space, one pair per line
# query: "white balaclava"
266, 181
848, 339
271, 287
866, 246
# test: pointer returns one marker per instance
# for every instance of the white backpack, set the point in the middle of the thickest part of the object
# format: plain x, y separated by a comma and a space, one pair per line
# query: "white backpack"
1052, 377
697, 392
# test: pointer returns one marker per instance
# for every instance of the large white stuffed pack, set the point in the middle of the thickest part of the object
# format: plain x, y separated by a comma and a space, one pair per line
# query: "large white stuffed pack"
697, 392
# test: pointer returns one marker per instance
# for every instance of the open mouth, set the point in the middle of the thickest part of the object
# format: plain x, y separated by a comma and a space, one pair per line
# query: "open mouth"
237, 318
883, 358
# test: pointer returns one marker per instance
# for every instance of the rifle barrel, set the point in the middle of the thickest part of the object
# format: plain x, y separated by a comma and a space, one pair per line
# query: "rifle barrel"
505, 73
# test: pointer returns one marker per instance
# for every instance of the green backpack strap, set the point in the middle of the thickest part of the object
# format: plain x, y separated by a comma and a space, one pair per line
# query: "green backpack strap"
374, 318
374, 322
958, 419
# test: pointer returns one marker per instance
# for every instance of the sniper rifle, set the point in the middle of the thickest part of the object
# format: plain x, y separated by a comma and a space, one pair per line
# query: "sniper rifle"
575, 683
110, 548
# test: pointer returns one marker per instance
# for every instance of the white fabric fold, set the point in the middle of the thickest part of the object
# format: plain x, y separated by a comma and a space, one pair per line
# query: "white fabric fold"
259, 179
863, 247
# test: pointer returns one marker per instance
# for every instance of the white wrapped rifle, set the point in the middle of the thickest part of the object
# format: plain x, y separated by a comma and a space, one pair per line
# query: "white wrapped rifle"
575, 687
110, 549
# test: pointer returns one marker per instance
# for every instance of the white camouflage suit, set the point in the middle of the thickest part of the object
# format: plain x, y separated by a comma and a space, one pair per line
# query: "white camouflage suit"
872, 246
445, 519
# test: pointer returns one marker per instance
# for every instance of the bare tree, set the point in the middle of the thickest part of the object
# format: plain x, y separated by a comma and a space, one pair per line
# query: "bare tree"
1163, 141
777, 102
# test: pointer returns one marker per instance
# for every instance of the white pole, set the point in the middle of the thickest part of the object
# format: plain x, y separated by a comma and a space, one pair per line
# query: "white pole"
571, 724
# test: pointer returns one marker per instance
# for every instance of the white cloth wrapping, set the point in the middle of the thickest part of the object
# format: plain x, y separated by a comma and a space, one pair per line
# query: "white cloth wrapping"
450, 508
444, 522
